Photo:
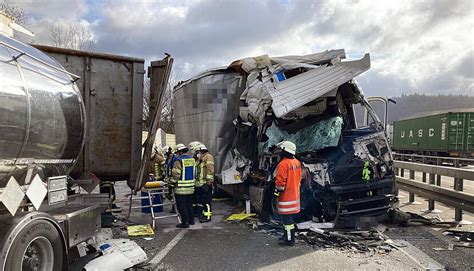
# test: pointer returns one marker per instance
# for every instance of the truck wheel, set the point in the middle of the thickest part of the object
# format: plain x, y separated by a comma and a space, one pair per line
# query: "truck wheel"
38, 246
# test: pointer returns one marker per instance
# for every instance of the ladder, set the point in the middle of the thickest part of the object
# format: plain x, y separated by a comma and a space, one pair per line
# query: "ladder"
150, 194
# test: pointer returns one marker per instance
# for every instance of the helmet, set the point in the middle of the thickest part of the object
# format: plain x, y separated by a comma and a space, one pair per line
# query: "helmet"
156, 151
193, 145
166, 149
201, 147
181, 147
287, 146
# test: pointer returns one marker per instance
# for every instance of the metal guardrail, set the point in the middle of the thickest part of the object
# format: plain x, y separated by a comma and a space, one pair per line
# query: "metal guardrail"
432, 190
427, 159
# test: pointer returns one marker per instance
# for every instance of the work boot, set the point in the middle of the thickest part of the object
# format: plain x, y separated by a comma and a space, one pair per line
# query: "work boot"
204, 220
182, 226
288, 241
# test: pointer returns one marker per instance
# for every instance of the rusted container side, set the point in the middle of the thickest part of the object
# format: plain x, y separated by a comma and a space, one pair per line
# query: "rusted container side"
112, 88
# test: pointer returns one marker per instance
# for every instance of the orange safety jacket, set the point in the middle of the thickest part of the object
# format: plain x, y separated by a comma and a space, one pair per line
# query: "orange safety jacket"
288, 180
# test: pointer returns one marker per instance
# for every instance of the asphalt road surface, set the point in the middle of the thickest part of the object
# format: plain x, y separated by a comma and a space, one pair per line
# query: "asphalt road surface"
221, 245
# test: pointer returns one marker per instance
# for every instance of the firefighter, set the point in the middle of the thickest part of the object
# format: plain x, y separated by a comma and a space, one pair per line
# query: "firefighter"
204, 183
183, 182
196, 205
170, 159
169, 162
287, 189
158, 165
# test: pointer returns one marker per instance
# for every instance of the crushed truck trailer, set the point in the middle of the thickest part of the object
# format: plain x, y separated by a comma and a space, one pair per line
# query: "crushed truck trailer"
241, 111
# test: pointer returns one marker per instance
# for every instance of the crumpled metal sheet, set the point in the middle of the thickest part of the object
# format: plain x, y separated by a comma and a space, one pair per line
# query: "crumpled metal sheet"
325, 133
299, 90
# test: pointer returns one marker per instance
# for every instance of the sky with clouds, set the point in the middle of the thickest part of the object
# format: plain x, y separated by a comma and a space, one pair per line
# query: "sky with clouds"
415, 46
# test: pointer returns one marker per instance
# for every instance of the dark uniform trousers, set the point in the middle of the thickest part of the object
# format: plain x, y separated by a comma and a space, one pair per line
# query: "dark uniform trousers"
185, 208
203, 197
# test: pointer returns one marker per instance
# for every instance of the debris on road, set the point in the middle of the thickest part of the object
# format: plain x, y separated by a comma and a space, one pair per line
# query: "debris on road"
117, 254
463, 233
310, 224
356, 241
239, 217
140, 230
326, 236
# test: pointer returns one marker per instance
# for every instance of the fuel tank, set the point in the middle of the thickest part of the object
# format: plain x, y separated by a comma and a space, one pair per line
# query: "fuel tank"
42, 115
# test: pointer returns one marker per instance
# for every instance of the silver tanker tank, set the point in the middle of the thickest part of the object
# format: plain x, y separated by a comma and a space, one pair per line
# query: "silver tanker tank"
42, 116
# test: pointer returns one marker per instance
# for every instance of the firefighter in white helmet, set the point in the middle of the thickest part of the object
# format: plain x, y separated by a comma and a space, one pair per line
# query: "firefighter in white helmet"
192, 147
183, 181
204, 183
287, 189
196, 205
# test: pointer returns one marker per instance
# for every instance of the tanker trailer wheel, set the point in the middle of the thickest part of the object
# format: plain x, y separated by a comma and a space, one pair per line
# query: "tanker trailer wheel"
38, 246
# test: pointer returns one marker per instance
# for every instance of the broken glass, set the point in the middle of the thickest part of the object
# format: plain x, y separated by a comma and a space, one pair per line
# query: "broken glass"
323, 134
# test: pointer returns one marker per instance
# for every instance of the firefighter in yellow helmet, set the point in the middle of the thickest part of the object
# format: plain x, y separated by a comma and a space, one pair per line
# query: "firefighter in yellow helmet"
183, 181
204, 183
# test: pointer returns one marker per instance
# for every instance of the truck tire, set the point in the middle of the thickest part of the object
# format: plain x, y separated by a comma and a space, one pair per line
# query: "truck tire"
38, 246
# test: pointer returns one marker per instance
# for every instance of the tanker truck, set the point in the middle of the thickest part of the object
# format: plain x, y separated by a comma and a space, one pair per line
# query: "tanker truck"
242, 110
64, 126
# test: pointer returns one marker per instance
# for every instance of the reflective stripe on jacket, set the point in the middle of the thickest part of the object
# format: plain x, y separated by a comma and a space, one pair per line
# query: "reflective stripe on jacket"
205, 170
158, 166
182, 175
288, 180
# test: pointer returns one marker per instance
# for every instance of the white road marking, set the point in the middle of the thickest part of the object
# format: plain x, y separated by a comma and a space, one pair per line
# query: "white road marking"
194, 228
158, 257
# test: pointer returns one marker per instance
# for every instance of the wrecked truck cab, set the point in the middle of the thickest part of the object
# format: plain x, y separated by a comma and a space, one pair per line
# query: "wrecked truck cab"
243, 110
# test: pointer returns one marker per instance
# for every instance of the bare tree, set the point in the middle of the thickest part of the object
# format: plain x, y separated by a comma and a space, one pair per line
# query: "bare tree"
167, 112
72, 36
18, 15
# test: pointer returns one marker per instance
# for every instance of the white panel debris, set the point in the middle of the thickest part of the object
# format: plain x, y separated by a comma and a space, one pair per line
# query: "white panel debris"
118, 254
297, 91
37, 192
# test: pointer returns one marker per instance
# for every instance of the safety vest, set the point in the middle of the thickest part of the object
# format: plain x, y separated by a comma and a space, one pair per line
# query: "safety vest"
185, 184
205, 170
288, 180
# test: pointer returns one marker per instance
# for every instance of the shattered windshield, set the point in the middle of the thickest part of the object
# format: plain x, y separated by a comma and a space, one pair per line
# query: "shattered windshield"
324, 133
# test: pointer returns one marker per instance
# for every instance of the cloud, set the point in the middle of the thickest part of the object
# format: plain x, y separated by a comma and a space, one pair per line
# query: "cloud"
416, 46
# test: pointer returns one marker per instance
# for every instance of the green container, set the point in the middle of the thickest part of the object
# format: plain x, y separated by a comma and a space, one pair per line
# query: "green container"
447, 133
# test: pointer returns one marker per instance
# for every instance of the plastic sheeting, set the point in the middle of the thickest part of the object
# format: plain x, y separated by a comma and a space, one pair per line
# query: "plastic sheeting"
205, 107
325, 133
